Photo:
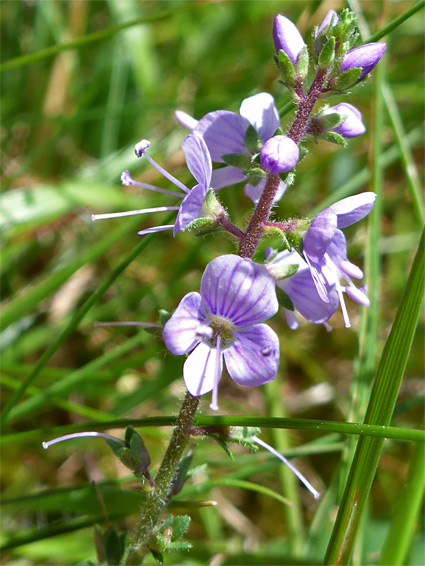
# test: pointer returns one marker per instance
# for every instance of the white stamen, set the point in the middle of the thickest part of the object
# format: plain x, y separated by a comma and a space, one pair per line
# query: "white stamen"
342, 303
46, 445
127, 180
140, 147
156, 229
166, 174
133, 212
299, 475
214, 398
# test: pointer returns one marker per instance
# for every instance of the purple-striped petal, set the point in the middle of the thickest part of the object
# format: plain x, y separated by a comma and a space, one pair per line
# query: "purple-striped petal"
260, 111
320, 234
179, 332
223, 132
239, 289
352, 209
198, 158
199, 370
190, 208
253, 358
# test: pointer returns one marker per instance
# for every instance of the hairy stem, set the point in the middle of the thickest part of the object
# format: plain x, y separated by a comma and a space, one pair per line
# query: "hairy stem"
157, 499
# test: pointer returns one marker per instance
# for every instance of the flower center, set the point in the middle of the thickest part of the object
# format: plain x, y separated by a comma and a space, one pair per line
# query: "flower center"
222, 327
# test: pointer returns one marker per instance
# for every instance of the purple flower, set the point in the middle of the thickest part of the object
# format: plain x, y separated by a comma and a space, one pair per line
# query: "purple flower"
366, 57
352, 126
199, 163
325, 250
224, 132
302, 291
287, 37
224, 320
279, 154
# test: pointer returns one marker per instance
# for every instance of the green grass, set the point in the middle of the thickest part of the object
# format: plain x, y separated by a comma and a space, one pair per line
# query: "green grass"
82, 82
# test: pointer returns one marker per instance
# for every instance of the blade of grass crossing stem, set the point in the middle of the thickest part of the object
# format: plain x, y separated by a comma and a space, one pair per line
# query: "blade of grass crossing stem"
402, 528
288, 481
380, 409
318, 426
406, 158
364, 364
74, 322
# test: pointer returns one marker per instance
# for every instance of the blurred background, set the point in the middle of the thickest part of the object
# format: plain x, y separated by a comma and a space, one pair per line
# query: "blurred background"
69, 122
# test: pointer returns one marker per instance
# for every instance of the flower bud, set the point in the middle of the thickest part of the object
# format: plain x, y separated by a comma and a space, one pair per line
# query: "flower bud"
330, 19
287, 37
364, 57
352, 126
279, 154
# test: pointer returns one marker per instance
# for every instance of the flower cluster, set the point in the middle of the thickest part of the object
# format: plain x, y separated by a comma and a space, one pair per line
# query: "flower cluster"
310, 273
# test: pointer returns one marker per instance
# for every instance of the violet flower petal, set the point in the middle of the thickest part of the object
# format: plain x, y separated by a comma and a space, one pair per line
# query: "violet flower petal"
331, 16
179, 332
253, 358
352, 209
199, 370
190, 208
320, 234
260, 111
226, 176
239, 289
223, 132
198, 158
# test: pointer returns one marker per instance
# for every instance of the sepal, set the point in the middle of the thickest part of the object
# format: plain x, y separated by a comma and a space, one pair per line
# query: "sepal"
302, 65
252, 140
284, 300
133, 455
203, 227
238, 160
327, 54
347, 78
282, 271
333, 137
286, 68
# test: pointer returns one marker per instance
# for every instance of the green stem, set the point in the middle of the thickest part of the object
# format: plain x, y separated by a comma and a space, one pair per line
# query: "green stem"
157, 499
